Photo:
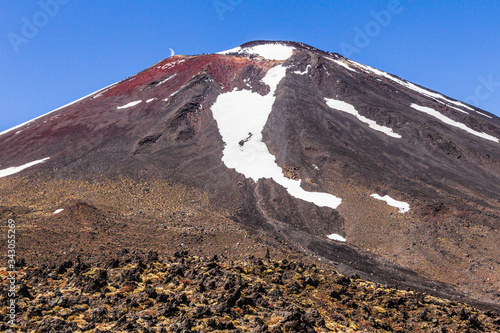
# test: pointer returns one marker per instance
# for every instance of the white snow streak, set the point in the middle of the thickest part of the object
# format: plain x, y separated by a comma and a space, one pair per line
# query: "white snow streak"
241, 117
348, 108
403, 206
166, 79
267, 51
134, 103
337, 237
411, 86
99, 93
453, 107
452, 122
343, 64
14, 170
58, 211
181, 88
150, 100
59, 108
482, 114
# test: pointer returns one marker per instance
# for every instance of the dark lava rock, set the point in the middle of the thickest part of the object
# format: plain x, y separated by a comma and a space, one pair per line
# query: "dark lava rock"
313, 316
51, 325
24, 291
294, 321
182, 326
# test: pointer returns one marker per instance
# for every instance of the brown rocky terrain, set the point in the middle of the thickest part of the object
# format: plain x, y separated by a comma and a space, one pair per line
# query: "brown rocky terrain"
131, 292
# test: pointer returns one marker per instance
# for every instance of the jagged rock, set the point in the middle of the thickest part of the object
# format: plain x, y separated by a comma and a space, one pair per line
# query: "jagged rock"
56, 325
313, 316
23, 291
64, 267
99, 281
294, 321
182, 326
151, 292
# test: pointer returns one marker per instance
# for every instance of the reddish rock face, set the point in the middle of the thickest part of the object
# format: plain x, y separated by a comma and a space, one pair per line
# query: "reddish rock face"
158, 126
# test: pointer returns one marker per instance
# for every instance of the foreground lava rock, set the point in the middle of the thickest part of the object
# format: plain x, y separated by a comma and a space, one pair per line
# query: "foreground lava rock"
185, 293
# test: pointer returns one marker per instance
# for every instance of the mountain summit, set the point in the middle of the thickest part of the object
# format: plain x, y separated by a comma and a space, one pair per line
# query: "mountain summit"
269, 144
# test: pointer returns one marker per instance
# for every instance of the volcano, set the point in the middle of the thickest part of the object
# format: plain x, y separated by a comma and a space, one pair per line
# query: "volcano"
270, 146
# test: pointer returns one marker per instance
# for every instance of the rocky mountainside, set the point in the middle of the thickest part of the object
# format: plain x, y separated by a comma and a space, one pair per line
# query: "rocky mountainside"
271, 144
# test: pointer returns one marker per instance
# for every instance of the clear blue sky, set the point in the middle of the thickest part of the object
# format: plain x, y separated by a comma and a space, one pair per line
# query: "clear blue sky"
449, 46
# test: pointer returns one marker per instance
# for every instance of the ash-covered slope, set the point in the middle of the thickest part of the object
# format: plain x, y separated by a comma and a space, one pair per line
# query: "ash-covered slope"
387, 179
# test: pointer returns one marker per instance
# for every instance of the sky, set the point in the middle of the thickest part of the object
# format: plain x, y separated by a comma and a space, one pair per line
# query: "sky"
53, 52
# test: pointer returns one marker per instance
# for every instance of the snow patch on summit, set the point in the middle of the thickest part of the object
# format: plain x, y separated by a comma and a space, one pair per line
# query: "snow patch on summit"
267, 51
241, 116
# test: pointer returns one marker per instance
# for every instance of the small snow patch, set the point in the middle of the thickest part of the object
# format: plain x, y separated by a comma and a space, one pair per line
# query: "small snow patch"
337, 237
129, 105
403, 206
150, 100
172, 64
348, 108
14, 170
58, 211
305, 72
247, 83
